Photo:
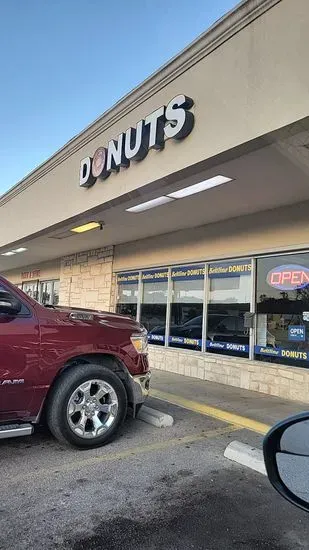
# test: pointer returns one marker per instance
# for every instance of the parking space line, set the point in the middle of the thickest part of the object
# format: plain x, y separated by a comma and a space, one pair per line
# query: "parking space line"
92, 461
214, 412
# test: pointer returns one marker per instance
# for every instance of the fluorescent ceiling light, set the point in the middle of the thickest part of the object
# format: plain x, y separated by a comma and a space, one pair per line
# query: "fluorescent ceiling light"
150, 204
18, 250
85, 227
198, 187
15, 251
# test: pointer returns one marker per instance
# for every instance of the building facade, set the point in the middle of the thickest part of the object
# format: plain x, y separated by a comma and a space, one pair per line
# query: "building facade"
186, 206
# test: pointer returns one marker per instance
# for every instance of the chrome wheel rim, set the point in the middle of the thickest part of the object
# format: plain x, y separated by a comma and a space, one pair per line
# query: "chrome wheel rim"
92, 408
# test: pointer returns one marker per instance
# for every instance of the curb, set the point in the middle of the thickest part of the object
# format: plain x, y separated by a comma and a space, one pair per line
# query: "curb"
214, 412
155, 418
246, 455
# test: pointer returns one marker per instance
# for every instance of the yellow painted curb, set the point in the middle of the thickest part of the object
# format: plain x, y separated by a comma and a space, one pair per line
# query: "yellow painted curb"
214, 412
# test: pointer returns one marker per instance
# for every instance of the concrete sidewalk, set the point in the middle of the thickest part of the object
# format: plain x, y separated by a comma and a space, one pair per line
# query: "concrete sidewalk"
254, 405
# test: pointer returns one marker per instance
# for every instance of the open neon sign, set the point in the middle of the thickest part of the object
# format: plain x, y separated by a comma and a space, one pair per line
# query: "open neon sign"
288, 277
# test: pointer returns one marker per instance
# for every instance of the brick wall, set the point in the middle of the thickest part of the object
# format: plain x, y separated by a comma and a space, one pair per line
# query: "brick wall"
280, 381
86, 279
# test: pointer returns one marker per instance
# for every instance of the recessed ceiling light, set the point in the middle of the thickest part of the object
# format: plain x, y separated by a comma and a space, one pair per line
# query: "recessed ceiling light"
18, 250
11, 253
86, 227
150, 204
198, 187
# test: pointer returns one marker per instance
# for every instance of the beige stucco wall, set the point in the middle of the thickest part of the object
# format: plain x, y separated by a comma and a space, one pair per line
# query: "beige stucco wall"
241, 88
280, 229
48, 270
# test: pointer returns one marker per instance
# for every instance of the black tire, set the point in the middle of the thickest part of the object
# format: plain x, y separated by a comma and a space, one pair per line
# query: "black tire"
57, 404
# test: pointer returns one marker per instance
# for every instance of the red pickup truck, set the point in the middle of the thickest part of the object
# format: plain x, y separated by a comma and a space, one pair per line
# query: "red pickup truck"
77, 369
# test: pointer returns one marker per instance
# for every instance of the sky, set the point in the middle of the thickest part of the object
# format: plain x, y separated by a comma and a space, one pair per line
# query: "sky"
64, 62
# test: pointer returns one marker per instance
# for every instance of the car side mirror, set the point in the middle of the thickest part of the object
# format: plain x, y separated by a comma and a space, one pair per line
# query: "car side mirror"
9, 305
286, 455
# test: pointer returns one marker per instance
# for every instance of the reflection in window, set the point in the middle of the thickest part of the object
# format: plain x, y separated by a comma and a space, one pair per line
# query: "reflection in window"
283, 309
56, 293
49, 292
229, 299
127, 293
31, 289
127, 299
153, 306
187, 307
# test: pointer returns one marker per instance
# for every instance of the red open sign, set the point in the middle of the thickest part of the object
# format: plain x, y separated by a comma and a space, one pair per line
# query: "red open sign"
288, 277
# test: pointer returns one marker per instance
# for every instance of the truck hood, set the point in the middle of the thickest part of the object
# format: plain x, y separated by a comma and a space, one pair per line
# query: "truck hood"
69, 309
97, 316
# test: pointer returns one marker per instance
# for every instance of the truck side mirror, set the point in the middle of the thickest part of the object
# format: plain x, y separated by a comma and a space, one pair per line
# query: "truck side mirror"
9, 305
286, 455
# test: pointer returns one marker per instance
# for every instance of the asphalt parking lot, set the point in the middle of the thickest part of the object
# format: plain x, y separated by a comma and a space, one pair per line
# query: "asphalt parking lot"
151, 488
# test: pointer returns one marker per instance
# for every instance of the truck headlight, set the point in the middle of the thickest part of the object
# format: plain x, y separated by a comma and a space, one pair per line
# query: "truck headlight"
140, 342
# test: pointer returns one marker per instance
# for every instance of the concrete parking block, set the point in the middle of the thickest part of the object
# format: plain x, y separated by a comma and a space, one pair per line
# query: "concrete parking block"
155, 418
246, 455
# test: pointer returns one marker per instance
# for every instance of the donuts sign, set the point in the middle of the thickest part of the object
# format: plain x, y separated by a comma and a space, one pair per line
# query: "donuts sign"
174, 121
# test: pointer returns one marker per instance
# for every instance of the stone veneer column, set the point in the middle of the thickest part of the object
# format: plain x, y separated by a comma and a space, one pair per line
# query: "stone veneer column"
86, 279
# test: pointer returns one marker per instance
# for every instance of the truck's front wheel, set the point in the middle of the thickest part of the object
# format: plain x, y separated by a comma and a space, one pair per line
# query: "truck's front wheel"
87, 406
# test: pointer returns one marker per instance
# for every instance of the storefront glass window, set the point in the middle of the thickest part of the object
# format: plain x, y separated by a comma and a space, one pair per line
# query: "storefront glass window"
56, 293
228, 300
32, 289
49, 293
127, 293
282, 290
187, 307
154, 302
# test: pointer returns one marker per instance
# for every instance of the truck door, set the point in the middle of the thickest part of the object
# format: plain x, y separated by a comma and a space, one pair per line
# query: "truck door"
19, 359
